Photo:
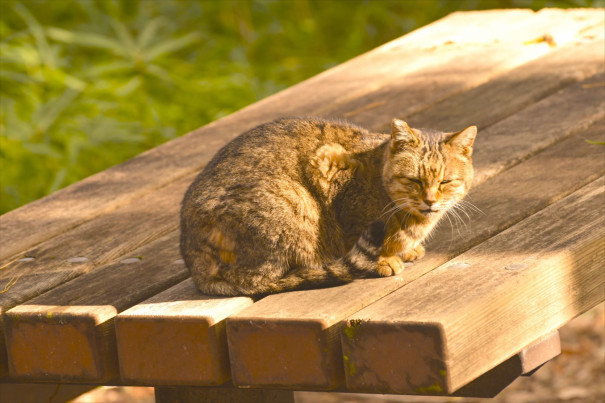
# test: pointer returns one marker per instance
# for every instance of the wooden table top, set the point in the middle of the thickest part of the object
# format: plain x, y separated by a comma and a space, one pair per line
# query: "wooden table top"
93, 289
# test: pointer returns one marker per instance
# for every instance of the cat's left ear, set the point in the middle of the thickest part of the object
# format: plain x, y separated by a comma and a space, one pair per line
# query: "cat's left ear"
402, 134
464, 140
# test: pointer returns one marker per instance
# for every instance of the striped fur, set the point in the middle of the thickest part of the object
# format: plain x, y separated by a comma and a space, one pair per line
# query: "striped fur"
305, 203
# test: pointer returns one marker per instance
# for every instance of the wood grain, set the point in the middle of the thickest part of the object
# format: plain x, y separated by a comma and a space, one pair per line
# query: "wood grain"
518, 88
572, 162
406, 95
67, 334
149, 171
176, 338
98, 242
461, 321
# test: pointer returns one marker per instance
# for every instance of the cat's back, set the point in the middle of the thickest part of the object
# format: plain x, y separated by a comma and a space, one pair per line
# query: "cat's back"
278, 148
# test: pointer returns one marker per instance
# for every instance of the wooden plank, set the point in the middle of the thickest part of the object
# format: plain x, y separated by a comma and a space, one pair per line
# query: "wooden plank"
176, 338
67, 334
315, 315
455, 323
123, 183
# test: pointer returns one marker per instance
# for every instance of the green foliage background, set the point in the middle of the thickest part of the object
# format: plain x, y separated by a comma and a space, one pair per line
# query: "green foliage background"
88, 84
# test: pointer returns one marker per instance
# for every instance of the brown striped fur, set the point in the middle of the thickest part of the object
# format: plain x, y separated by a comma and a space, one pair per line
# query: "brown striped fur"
303, 203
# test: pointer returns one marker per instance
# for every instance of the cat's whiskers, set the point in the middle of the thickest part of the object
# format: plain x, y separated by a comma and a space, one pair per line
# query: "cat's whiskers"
471, 206
394, 207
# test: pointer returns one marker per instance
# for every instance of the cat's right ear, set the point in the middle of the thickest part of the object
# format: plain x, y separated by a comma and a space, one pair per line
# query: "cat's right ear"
402, 135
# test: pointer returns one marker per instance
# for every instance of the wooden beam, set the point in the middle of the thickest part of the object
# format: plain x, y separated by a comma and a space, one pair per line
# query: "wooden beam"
182, 156
67, 334
455, 323
523, 363
316, 315
176, 338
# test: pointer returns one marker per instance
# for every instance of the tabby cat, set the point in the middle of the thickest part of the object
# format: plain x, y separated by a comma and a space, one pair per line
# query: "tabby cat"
305, 203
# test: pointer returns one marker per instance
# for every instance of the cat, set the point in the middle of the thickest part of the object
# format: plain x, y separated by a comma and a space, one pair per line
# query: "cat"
302, 203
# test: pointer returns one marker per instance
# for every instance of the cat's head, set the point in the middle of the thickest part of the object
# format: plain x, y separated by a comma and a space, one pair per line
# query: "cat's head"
428, 171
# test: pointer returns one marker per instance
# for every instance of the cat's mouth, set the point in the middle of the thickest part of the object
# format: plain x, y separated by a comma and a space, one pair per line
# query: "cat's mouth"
429, 211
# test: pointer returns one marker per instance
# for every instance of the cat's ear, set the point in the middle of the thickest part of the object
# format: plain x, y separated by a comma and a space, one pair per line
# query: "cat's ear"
402, 134
463, 140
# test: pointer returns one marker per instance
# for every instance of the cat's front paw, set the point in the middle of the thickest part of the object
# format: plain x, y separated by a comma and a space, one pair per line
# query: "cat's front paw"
389, 266
413, 254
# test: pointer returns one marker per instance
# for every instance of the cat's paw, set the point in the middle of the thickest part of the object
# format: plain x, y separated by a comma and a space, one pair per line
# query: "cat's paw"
413, 254
389, 266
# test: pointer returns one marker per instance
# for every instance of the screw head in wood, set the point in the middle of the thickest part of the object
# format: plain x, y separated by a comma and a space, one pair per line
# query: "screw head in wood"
77, 259
26, 259
516, 266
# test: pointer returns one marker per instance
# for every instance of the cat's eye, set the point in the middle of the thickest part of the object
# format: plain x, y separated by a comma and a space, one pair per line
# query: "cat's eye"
446, 181
417, 181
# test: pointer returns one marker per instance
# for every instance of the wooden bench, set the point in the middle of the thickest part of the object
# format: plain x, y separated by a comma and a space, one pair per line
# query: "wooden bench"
93, 290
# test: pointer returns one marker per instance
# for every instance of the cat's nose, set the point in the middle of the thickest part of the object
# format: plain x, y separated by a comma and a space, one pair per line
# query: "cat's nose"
429, 202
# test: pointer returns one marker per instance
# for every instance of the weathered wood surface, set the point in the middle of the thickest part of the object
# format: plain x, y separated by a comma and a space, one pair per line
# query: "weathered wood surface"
146, 173
318, 313
48, 272
67, 334
448, 327
176, 338
499, 79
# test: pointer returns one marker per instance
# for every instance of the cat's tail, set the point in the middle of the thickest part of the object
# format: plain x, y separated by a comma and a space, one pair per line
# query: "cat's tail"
359, 262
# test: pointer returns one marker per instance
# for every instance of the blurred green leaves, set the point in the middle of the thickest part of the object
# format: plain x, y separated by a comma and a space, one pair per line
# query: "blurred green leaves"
88, 84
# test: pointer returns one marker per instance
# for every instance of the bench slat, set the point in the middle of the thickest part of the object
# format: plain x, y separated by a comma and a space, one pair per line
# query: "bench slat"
147, 172
322, 310
176, 338
454, 323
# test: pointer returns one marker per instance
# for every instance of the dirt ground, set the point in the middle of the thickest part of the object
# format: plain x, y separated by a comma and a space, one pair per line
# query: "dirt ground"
576, 376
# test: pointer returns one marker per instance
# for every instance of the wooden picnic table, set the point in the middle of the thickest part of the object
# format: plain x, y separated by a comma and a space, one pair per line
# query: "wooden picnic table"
94, 291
